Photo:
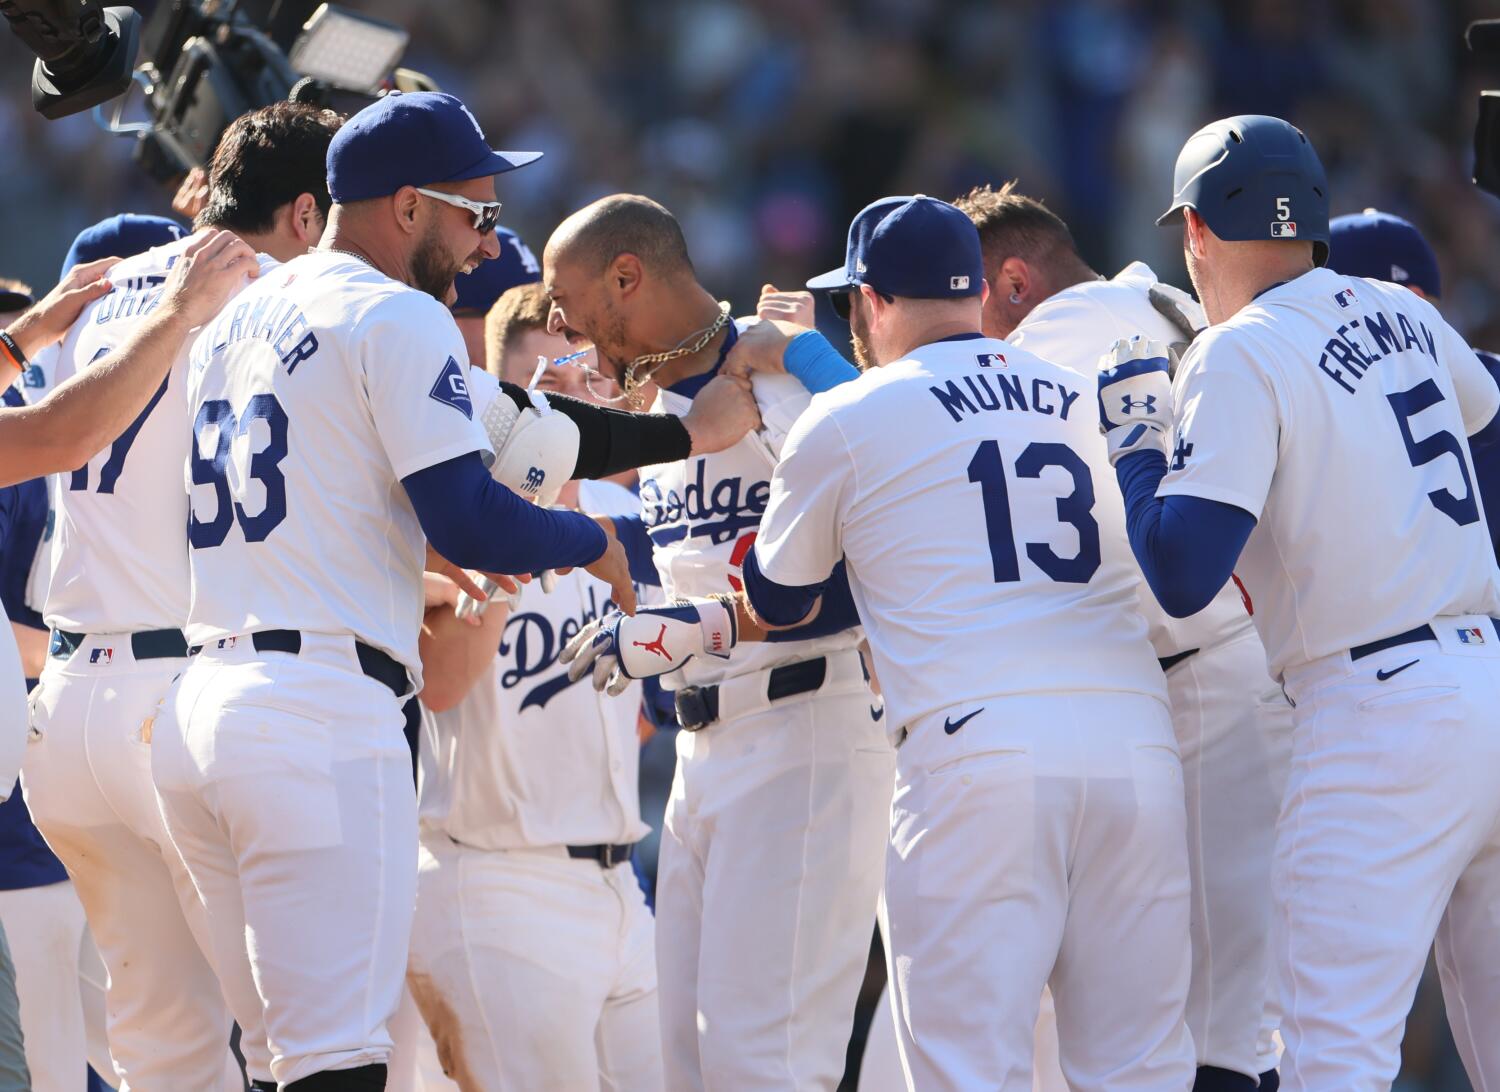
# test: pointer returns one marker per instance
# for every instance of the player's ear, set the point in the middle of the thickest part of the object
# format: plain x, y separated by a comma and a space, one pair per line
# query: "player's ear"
1193, 228
1014, 278
404, 203
626, 274
306, 218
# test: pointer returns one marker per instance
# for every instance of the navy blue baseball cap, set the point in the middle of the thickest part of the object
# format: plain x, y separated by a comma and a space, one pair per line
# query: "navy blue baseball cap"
916, 247
412, 138
478, 291
122, 236
1383, 247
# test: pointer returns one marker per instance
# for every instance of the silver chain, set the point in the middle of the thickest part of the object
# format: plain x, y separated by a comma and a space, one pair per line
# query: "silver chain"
345, 253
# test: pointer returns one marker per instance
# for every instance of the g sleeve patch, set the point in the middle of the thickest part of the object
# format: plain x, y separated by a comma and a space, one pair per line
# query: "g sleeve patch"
452, 389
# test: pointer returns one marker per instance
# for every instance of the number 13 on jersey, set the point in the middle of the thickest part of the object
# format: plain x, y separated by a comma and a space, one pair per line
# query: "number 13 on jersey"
987, 470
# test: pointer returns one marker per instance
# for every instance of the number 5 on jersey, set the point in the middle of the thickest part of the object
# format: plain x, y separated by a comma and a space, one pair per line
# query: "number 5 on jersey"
216, 430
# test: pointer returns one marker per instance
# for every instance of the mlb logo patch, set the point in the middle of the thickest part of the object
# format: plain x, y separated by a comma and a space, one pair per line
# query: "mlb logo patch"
1346, 298
1471, 635
991, 360
101, 655
1283, 229
452, 389
958, 284
227, 642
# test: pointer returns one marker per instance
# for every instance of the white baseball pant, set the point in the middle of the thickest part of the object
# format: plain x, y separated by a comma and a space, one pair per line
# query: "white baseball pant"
1389, 838
1041, 841
45, 927
286, 786
87, 778
771, 857
414, 1065
535, 970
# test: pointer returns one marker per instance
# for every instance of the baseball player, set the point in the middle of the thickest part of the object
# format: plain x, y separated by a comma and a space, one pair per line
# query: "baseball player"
1320, 411
333, 432
771, 849
949, 479
1233, 725
117, 601
532, 956
1385, 247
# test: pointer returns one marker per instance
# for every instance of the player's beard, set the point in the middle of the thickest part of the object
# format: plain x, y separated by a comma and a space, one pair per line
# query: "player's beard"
433, 267
610, 343
859, 336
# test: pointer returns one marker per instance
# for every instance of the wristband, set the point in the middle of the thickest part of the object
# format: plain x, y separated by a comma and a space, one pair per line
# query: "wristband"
9, 350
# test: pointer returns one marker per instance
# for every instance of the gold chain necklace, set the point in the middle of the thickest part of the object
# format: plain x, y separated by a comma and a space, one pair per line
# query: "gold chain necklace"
634, 380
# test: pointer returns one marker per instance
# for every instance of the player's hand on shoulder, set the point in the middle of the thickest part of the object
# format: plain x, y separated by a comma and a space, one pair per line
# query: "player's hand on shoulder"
793, 307
1135, 396
49, 318
618, 648
215, 265
761, 347
722, 413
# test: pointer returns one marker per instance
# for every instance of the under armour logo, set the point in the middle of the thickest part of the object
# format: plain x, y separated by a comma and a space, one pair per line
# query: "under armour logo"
657, 646
534, 478
1147, 404
1180, 454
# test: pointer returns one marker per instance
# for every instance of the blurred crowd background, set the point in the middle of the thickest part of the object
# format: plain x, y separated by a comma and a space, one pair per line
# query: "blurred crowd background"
765, 124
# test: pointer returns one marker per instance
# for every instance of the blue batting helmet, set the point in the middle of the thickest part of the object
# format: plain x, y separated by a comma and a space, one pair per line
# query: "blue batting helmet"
1254, 177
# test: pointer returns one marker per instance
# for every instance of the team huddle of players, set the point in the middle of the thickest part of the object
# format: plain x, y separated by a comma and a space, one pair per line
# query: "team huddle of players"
1133, 659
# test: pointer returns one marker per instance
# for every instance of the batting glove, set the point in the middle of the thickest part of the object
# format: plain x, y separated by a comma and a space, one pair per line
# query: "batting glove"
1135, 397
619, 647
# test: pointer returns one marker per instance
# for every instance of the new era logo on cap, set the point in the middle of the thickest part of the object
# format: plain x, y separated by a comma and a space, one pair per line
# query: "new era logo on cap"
452, 389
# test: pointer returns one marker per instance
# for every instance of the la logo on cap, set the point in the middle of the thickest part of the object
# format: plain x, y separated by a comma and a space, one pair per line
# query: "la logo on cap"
958, 284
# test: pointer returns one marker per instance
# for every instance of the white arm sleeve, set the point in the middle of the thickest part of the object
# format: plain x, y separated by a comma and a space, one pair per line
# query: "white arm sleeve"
801, 532
416, 376
1227, 436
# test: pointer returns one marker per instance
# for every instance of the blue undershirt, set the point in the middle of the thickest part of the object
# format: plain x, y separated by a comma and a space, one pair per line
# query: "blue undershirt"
477, 523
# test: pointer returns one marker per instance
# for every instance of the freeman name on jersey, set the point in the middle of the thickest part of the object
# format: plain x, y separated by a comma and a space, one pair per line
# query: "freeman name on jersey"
1357, 355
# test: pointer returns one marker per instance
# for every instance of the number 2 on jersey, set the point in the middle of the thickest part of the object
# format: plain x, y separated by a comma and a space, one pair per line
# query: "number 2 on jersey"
1407, 404
987, 470
219, 416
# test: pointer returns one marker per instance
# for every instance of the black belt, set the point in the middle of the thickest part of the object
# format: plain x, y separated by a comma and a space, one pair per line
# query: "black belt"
1411, 636
148, 644
380, 666
607, 856
1169, 662
698, 706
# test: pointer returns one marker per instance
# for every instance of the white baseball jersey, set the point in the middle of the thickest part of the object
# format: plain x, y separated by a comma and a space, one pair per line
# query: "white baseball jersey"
702, 516
981, 562
119, 543
1075, 328
1335, 410
311, 396
527, 758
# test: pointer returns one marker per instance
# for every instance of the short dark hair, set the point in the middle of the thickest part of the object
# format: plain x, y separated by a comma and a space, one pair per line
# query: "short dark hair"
518, 310
266, 158
627, 223
1012, 224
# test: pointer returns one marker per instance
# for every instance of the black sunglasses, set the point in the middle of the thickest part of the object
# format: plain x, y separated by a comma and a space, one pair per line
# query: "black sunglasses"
842, 300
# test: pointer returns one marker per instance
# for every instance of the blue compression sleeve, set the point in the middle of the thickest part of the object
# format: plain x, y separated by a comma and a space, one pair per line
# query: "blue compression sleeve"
631, 531
1491, 431
477, 523
817, 365
786, 605
1186, 546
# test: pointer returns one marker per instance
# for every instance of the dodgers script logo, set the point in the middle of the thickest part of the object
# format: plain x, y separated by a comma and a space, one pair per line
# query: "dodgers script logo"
720, 511
532, 643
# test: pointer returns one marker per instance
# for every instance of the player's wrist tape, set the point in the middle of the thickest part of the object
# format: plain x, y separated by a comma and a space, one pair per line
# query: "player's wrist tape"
11, 352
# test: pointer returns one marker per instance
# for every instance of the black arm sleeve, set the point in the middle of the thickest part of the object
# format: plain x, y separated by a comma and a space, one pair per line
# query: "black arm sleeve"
610, 440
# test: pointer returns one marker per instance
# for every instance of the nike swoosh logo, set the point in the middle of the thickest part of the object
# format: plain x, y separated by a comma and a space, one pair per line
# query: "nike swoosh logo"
951, 726
876, 714
1383, 675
